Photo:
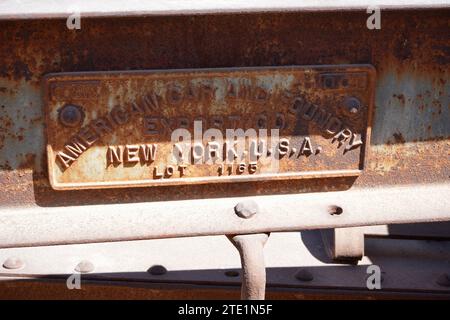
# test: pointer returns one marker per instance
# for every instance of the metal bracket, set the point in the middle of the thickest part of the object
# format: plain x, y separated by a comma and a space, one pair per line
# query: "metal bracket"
344, 244
250, 247
347, 244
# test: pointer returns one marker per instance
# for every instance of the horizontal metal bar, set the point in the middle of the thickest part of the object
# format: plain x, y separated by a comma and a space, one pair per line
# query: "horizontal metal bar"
100, 223
293, 260
26, 9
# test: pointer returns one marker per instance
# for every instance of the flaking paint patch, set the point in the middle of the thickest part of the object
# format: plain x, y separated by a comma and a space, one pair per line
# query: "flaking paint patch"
23, 134
405, 105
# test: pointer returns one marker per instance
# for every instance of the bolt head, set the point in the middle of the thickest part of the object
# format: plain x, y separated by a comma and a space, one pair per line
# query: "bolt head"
246, 209
84, 266
304, 275
13, 263
157, 270
71, 115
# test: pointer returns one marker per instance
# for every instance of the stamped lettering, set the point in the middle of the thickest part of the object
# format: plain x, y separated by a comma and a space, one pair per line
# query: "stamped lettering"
152, 128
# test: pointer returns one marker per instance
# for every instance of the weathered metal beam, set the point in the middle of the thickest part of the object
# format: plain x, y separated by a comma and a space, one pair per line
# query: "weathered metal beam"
98, 223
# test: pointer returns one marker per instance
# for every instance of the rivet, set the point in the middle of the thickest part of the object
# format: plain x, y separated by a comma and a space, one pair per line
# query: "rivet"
443, 280
352, 104
71, 115
84, 266
246, 209
13, 263
232, 273
304, 275
157, 270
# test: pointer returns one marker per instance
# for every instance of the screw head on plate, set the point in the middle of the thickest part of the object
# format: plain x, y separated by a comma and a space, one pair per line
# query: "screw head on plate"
71, 115
352, 104
13, 263
246, 209
84, 266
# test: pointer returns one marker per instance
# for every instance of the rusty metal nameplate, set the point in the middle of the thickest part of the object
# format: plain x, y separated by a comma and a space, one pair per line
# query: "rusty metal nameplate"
170, 127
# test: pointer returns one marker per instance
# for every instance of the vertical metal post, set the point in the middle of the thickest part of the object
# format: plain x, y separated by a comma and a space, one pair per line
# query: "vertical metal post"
250, 247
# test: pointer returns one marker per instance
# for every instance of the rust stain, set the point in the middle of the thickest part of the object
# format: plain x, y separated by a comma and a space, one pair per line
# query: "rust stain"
411, 45
401, 98
399, 137
27, 162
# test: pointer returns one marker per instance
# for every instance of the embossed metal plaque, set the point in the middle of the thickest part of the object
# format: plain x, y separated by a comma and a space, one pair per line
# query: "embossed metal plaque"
166, 127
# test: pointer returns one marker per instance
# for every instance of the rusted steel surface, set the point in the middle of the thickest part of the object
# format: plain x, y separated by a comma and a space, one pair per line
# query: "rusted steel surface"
206, 126
48, 289
410, 132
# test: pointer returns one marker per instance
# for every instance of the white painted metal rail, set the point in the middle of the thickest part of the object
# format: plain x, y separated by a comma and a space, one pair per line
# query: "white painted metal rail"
99, 223
31, 9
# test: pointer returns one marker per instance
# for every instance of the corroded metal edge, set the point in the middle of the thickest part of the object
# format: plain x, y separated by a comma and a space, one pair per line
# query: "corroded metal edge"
202, 180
